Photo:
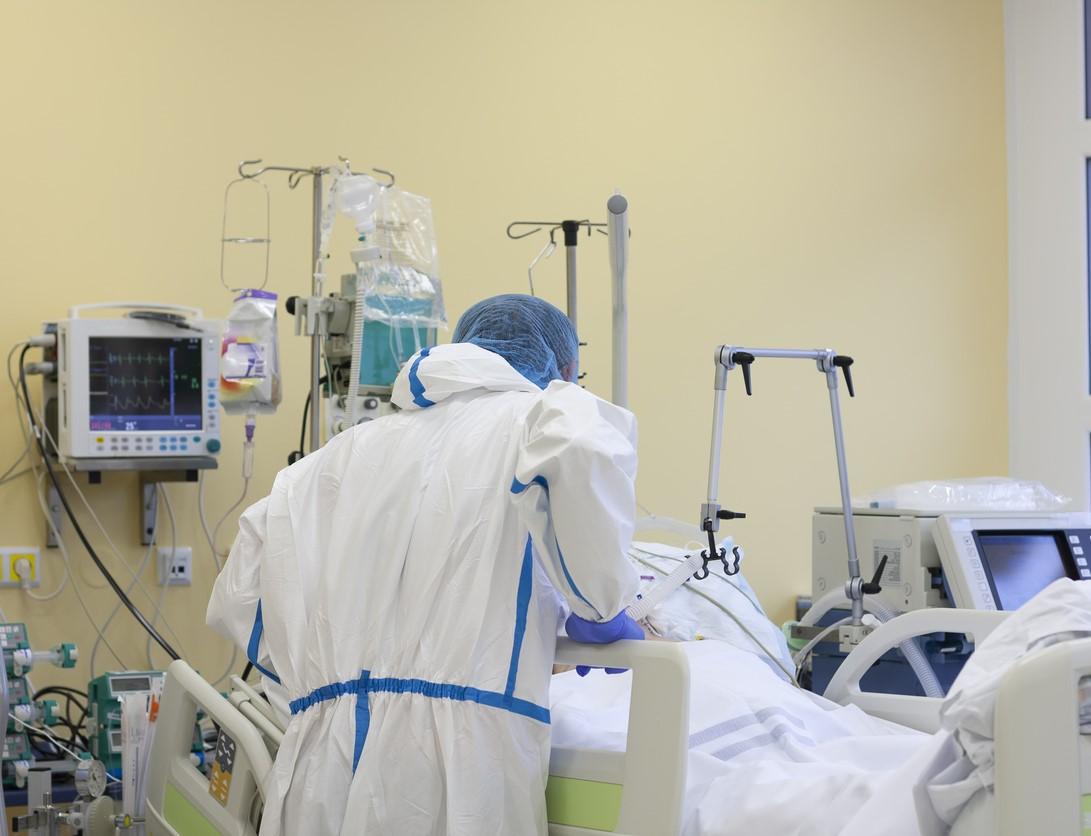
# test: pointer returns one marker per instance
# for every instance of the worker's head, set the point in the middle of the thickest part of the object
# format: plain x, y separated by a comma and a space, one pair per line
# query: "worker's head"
536, 338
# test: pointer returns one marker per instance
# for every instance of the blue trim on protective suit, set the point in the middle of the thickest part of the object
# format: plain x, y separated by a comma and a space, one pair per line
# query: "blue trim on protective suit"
365, 684
363, 718
522, 603
518, 487
416, 388
252, 647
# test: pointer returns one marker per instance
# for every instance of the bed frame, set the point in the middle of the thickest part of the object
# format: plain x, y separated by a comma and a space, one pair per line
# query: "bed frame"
1043, 776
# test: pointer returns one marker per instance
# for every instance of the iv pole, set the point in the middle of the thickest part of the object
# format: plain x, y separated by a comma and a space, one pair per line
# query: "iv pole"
617, 230
315, 318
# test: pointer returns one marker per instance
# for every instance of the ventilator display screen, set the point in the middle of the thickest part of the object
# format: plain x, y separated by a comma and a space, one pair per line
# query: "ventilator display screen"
1021, 564
144, 383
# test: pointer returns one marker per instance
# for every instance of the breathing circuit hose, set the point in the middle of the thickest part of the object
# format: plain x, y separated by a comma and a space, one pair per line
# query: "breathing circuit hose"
909, 648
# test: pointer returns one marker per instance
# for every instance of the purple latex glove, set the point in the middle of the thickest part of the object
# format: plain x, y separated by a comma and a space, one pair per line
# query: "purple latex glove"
621, 626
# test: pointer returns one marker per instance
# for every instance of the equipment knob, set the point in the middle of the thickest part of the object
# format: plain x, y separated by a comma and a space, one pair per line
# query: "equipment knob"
213, 445
90, 779
49, 712
68, 654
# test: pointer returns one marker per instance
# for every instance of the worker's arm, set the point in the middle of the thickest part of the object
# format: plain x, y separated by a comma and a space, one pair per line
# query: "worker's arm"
234, 609
575, 488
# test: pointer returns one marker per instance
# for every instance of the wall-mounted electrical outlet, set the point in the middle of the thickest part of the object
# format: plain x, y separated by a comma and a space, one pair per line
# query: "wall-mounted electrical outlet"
178, 572
19, 566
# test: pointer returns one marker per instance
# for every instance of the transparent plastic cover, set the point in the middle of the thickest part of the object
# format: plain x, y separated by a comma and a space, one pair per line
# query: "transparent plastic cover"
401, 287
990, 493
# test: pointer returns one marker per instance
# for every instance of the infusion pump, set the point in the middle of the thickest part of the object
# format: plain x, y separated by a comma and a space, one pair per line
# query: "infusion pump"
135, 387
972, 560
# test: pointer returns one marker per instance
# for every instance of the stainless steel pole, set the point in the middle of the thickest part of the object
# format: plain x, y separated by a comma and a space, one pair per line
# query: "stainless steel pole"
719, 395
571, 238
846, 496
617, 226
316, 337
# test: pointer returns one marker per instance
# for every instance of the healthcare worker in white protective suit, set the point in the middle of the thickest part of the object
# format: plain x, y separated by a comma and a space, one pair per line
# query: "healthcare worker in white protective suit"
405, 585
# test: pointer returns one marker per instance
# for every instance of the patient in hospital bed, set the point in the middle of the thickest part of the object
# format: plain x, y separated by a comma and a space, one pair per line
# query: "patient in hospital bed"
768, 757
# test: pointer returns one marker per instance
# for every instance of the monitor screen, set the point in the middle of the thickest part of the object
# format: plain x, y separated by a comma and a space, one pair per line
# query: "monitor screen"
1021, 564
145, 383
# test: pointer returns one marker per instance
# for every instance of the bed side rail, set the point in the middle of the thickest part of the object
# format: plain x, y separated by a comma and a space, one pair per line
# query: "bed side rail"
180, 800
1043, 763
653, 767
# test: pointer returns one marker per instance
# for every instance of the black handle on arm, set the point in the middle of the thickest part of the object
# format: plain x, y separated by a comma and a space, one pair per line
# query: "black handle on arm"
873, 587
744, 359
844, 363
724, 514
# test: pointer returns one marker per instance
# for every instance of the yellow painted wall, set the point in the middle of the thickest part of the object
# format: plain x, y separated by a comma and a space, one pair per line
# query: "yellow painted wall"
799, 173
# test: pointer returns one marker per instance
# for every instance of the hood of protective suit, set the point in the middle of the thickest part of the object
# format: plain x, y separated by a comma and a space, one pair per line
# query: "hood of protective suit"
435, 374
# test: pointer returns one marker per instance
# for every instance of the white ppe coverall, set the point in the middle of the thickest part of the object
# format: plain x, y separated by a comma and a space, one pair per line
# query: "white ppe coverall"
405, 585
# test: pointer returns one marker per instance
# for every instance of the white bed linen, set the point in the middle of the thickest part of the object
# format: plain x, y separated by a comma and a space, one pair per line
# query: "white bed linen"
764, 757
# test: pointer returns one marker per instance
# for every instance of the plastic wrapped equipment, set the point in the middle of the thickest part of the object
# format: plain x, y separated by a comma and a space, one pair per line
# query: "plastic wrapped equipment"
990, 493
399, 298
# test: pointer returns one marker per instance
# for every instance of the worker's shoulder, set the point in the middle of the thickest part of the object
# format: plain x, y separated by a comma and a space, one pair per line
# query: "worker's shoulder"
561, 398
322, 460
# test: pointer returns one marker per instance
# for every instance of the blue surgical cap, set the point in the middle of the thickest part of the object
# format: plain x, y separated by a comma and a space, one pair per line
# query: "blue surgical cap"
536, 338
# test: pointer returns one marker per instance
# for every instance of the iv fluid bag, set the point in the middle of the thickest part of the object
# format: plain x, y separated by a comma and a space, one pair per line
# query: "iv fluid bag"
249, 358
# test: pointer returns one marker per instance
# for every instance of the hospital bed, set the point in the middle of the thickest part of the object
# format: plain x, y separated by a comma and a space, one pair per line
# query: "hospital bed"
641, 791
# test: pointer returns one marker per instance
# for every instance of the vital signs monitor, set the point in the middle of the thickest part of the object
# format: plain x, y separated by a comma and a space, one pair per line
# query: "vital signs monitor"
145, 385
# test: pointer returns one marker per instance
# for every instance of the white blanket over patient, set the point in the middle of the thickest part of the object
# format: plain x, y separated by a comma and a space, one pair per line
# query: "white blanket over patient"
768, 758
765, 757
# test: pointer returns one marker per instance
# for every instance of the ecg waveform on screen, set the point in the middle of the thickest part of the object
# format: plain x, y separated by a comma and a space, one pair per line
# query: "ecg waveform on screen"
144, 381
139, 383
124, 405
135, 358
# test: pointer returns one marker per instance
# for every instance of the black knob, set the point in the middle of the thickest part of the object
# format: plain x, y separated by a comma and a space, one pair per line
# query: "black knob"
730, 515
289, 304
845, 364
744, 359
